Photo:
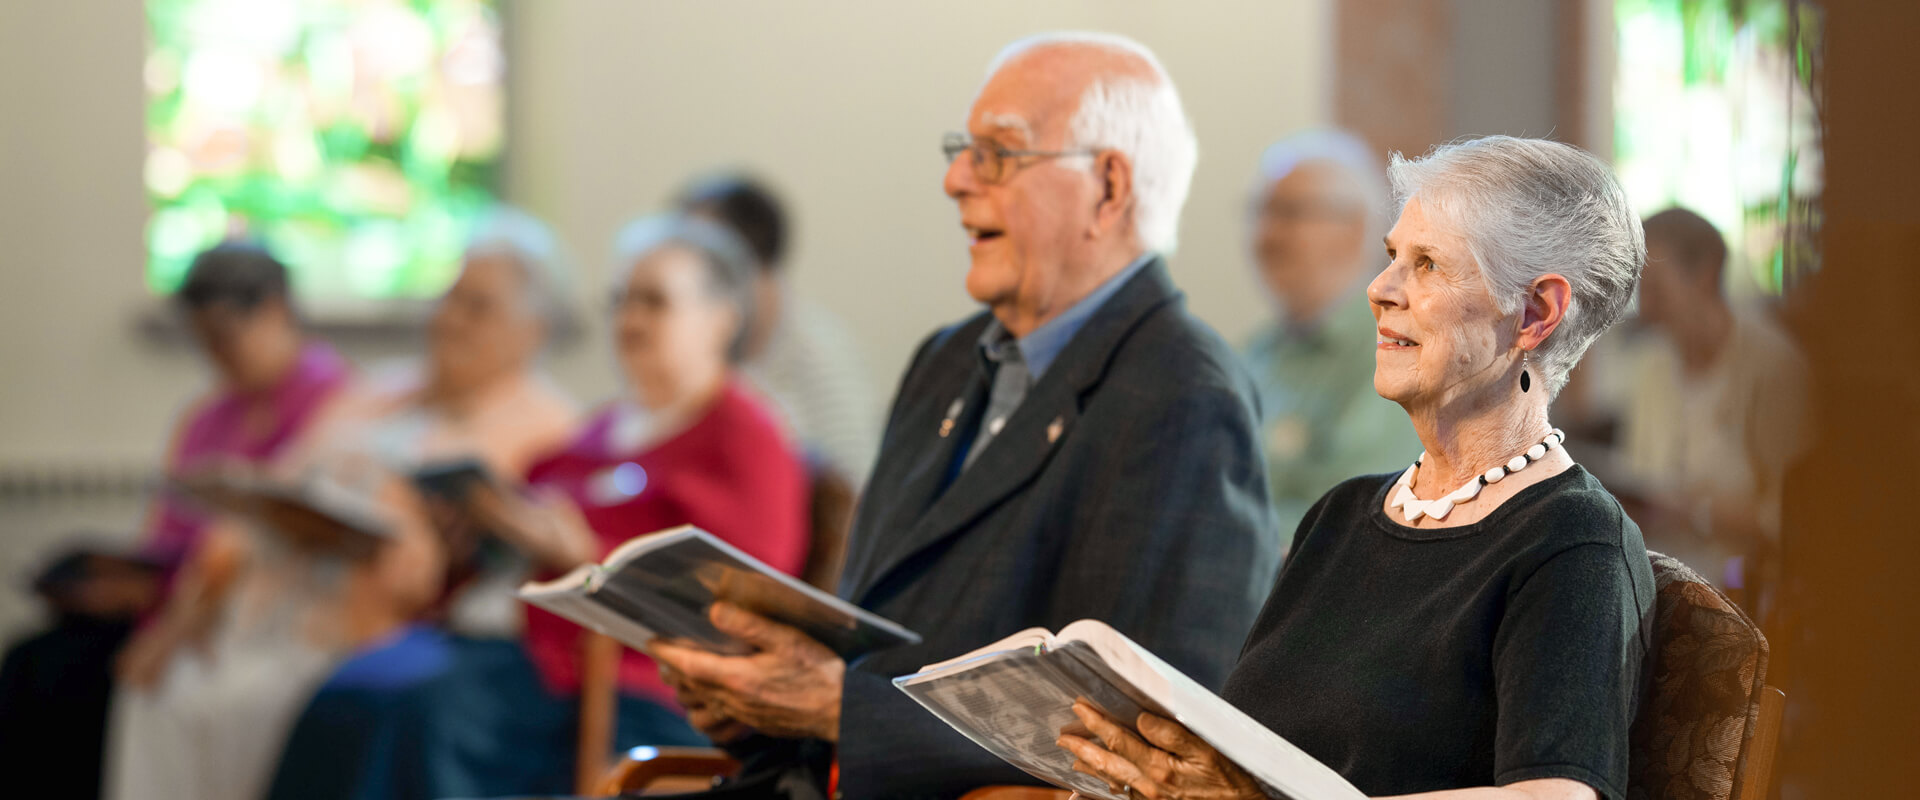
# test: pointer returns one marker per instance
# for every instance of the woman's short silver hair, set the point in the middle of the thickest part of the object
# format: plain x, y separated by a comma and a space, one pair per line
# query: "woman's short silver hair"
1142, 118
1532, 207
729, 263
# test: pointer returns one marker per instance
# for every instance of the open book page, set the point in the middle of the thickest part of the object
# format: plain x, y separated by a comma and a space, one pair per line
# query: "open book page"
575, 605
664, 583
1285, 770
1024, 640
1016, 712
1015, 703
317, 512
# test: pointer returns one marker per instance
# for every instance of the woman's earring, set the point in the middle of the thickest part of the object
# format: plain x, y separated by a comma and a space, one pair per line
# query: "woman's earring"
1526, 380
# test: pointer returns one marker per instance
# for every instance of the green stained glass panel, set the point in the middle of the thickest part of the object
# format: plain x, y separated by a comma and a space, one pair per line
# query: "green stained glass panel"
358, 138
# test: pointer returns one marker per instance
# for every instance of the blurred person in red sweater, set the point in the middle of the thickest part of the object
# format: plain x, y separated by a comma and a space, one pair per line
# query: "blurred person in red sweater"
683, 443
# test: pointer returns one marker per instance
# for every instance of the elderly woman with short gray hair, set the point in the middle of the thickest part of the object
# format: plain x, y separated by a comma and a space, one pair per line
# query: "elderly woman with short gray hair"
1472, 627
684, 443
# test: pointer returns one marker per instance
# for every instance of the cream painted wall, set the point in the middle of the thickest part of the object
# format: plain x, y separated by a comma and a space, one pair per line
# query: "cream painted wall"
614, 103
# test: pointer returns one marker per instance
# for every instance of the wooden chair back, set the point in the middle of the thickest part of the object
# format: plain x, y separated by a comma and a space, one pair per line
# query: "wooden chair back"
664, 769
1698, 735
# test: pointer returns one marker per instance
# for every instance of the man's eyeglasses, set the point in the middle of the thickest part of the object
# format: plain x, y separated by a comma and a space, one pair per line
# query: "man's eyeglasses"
991, 162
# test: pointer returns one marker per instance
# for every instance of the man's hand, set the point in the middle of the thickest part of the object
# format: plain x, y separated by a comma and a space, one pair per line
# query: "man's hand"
704, 718
789, 688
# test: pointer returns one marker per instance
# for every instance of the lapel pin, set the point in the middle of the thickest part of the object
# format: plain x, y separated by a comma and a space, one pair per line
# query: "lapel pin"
1054, 428
953, 414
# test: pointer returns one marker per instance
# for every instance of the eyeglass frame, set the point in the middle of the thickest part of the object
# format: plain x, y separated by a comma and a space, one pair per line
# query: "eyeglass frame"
953, 144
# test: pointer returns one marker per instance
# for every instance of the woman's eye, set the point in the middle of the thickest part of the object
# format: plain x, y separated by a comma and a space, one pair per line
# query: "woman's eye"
1427, 264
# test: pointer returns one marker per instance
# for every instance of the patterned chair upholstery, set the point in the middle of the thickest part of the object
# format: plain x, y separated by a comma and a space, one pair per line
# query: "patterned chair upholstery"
1705, 678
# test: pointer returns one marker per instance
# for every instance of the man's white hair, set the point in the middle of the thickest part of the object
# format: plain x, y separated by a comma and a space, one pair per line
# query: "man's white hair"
1141, 118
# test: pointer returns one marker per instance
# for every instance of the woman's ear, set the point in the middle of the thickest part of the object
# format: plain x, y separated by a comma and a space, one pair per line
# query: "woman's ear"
1545, 308
1115, 173
732, 329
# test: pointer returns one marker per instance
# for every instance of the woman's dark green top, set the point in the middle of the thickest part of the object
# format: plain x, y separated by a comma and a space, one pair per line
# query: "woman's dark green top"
1413, 660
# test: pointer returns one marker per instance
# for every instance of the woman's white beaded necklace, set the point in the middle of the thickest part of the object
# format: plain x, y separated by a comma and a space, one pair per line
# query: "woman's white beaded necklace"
1413, 508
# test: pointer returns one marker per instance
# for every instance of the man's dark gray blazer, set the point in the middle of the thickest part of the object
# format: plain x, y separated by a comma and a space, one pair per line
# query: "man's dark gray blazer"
1128, 486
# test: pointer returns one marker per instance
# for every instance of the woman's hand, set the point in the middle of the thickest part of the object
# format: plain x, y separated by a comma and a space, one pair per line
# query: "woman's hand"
1170, 764
544, 524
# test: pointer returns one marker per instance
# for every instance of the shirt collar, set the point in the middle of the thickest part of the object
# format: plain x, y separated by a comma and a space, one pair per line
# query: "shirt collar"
1040, 347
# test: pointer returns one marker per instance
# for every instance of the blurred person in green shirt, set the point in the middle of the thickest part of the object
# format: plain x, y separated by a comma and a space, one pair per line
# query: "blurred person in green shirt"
1319, 207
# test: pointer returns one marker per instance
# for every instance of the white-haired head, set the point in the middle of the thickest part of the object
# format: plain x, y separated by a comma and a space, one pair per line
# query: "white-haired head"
1363, 177
530, 246
1532, 207
726, 257
1141, 117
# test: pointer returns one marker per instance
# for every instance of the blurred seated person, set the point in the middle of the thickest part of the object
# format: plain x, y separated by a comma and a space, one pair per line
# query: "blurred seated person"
1317, 226
271, 611
479, 394
1474, 626
1716, 408
55, 684
371, 731
683, 443
798, 354
272, 382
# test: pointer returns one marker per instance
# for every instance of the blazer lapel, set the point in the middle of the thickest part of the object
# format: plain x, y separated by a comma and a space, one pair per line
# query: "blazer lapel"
1038, 428
921, 459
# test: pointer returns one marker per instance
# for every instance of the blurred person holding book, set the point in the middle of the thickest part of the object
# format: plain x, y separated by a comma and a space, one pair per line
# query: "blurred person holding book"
273, 381
314, 566
479, 396
683, 443
55, 683
478, 410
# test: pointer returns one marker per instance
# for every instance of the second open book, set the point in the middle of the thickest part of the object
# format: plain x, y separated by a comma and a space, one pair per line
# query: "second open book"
663, 584
1015, 697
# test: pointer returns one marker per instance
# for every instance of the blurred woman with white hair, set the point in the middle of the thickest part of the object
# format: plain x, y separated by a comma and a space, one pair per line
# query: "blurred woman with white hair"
683, 443
1473, 626
479, 396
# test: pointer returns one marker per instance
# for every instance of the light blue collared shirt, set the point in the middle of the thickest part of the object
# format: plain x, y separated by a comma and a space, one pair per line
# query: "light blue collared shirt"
1017, 364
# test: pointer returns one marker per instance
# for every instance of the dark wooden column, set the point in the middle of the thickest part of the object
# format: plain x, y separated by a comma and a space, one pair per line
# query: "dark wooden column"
1851, 532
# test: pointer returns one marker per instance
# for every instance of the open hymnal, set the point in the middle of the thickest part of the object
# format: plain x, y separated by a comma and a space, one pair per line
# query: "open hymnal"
316, 511
662, 584
1015, 697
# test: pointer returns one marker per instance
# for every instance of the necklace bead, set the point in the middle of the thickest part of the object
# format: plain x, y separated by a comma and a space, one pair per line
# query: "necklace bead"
1413, 508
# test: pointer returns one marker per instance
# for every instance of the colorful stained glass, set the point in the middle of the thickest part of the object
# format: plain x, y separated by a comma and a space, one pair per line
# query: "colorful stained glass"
1716, 110
357, 138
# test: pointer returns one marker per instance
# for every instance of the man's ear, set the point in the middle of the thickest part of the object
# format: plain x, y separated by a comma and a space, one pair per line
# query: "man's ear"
1115, 207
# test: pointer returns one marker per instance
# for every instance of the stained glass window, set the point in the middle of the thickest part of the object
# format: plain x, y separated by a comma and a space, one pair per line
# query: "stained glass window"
357, 138
1715, 111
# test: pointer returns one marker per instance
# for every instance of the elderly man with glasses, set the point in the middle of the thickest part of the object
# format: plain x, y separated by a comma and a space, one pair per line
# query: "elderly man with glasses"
1083, 448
